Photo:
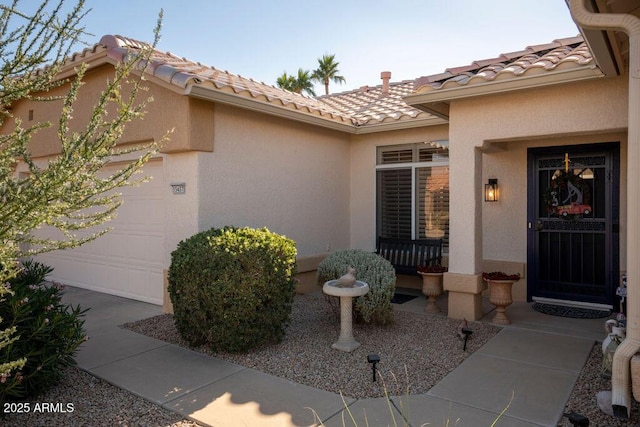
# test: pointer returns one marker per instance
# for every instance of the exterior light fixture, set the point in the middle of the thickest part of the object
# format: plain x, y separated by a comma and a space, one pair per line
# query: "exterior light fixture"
491, 193
373, 359
466, 332
577, 419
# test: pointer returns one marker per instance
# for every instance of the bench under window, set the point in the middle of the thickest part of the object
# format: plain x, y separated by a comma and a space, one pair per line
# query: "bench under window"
407, 254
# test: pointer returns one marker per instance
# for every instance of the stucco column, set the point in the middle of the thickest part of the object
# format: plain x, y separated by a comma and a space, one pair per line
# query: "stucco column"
464, 281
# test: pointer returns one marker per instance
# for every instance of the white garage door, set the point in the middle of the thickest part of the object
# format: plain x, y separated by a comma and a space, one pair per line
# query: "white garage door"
129, 260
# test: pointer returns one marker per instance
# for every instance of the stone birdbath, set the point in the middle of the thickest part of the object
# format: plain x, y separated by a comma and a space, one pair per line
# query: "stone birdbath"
346, 342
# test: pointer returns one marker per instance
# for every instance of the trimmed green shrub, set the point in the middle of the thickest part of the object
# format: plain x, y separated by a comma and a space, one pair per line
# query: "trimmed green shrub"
374, 307
49, 332
232, 288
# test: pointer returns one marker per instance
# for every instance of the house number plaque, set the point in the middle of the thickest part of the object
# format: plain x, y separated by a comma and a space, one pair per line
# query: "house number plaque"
178, 187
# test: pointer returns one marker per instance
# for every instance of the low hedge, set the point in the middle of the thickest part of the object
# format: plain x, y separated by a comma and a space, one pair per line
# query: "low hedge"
232, 288
374, 307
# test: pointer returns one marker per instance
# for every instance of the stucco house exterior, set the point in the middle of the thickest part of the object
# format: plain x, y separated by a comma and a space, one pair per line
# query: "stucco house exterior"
337, 171
555, 124
246, 154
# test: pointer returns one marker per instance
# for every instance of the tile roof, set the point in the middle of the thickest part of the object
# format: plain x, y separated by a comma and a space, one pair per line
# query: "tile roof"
558, 55
369, 104
182, 72
357, 108
361, 107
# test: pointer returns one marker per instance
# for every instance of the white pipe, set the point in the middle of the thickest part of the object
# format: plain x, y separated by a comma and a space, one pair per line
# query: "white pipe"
621, 375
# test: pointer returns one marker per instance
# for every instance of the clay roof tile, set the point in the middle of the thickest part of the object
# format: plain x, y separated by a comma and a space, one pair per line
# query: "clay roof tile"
559, 54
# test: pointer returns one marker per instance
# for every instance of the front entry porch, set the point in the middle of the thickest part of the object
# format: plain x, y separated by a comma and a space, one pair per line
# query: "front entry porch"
521, 314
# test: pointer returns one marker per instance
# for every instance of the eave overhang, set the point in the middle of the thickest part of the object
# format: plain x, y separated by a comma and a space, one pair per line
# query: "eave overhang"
300, 115
603, 53
399, 125
436, 101
254, 104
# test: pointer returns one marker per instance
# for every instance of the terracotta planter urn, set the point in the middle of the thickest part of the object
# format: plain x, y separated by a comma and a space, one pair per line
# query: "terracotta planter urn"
500, 285
432, 289
432, 286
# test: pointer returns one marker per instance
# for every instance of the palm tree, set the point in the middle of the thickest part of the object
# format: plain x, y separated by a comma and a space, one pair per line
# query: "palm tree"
303, 82
327, 71
286, 82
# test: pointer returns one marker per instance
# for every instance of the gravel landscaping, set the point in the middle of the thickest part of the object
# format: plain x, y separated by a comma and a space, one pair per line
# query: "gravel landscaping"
583, 396
416, 352
95, 403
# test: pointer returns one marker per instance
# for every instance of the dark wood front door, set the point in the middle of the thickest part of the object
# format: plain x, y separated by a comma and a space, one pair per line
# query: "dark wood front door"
573, 223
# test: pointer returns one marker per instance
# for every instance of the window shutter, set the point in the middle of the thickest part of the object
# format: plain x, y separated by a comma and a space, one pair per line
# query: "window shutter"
395, 156
394, 203
432, 154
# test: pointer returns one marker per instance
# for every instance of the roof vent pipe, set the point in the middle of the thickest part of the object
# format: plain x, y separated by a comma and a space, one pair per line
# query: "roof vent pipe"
620, 376
385, 76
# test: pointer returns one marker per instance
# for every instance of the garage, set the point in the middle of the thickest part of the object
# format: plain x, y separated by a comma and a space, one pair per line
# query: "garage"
129, 260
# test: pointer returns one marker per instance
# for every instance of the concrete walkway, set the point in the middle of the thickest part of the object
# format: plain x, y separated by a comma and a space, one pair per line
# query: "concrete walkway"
531, 369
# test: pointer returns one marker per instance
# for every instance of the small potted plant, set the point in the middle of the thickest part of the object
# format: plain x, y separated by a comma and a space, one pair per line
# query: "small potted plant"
432, 285
500, 285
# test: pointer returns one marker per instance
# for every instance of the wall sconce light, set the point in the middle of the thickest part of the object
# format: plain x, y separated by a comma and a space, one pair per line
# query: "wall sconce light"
491, 190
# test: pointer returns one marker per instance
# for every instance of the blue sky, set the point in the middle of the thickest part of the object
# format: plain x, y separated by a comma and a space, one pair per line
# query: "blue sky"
262, 39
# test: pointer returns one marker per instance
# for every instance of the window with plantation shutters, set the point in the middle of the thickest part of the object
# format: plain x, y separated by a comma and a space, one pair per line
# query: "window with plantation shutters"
412, 197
